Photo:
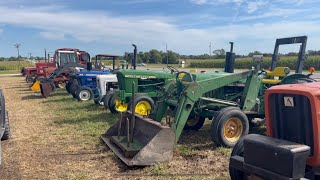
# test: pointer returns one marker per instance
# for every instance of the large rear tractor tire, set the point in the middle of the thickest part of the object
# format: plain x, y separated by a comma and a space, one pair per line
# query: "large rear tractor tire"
229, 126
236, 174
194, 123
84, 93
7, 133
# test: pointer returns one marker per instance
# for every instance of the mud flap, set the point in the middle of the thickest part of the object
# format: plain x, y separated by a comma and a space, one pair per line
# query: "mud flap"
35, 86
151, 141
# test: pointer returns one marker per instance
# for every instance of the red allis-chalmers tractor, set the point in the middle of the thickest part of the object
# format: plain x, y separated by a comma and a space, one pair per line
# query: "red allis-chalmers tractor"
291, 149
60, 57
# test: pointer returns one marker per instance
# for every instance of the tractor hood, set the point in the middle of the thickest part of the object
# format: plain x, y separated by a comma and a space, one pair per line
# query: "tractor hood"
92, 73
108, 78
145, 74
208, 75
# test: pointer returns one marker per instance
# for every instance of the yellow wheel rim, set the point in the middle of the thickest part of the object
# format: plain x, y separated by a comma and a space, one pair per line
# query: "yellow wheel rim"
143, 108
232, 129
120, 106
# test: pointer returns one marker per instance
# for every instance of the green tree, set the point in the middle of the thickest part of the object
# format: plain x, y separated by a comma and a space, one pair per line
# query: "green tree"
219, 53
173, 58
155, 56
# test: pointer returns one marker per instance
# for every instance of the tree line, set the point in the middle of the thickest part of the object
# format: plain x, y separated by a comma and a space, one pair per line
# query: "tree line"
159, 57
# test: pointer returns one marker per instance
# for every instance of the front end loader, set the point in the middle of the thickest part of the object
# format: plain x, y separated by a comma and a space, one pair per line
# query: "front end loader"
139, 140
48, 85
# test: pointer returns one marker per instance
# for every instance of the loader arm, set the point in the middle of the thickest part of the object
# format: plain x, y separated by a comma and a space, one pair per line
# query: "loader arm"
63, 68
194, 91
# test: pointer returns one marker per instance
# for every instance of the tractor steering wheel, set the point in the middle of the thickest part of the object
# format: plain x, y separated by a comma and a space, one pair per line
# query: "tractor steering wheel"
173, 69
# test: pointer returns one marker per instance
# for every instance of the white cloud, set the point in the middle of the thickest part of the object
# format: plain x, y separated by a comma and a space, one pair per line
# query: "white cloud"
199, 2
255, 5
52, 35
150, 32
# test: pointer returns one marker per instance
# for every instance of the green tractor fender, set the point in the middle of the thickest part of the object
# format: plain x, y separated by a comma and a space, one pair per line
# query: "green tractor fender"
297, 79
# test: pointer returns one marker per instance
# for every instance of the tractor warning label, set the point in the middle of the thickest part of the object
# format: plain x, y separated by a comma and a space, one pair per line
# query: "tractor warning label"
288, 101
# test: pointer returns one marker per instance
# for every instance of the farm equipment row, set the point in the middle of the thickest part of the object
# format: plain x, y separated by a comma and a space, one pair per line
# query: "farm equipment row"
155, 107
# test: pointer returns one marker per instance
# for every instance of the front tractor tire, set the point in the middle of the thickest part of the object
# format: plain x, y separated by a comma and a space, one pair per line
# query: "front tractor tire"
29, 79
238, 150
229, 126
144, 105
84, 94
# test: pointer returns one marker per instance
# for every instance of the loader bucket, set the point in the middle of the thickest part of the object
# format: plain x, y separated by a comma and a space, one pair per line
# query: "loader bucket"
151, 141
35, 86
46, 87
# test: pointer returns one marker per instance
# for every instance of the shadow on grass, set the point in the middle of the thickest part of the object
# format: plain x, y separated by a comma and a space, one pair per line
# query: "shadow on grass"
28, 97
101, 117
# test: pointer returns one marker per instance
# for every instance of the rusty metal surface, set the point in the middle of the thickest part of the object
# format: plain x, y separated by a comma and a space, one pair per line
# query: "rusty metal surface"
157, 141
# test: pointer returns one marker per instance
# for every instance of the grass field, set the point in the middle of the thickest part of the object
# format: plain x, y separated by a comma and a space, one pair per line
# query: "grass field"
13, 66
60, 137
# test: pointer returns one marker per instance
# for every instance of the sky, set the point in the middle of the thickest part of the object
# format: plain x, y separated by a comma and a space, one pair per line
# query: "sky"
186, 26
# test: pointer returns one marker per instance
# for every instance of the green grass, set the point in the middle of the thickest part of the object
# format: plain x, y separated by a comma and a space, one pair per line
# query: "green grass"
10, 72
14, 65
245, 63
85, 120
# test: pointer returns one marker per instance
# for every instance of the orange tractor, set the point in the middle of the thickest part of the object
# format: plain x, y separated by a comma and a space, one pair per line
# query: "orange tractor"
291, 149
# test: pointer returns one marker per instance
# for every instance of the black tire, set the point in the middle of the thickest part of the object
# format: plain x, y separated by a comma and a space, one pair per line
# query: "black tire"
84, 93
73, 87
217, 126
7, 133
140, 98
236, 174
106, 99
195, 126
29, 79
68, 84
112, 104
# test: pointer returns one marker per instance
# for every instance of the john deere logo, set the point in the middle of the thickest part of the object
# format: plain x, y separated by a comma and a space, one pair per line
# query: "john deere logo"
138, 76
288, 101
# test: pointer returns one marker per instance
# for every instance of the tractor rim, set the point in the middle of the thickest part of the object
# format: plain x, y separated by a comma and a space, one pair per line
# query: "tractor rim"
120, 105
143, 108
232, 129
84, 95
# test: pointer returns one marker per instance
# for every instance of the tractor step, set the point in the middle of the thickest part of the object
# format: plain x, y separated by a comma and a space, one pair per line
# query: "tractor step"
122, 142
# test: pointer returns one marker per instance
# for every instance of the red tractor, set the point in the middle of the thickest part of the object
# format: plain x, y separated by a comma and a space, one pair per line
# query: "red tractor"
291, 149
60, 57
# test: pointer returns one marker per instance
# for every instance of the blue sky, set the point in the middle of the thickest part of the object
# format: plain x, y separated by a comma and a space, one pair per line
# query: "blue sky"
187, 26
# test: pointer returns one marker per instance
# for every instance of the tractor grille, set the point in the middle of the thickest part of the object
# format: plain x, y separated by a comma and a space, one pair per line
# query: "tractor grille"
291, 121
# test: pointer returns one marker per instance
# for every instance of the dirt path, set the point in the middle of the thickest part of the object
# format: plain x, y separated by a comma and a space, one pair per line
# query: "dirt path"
49, 144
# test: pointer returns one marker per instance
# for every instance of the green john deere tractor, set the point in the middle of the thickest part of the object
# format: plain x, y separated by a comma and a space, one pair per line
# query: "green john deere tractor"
148, 84
230, 99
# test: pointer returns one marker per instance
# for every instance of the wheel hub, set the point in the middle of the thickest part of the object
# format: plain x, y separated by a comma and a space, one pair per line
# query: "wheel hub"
84, 95
143, 108
120, 106
233, 129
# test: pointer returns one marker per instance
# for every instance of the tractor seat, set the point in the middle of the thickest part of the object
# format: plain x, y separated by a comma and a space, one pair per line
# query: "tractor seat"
277, 72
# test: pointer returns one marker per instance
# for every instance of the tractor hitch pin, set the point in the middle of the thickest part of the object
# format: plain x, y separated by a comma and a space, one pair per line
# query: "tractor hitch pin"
133, 110
119, 127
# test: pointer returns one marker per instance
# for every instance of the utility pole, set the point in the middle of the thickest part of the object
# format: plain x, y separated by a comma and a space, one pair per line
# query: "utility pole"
167, 55
210, 49
29, 55
45, 55
18, 46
